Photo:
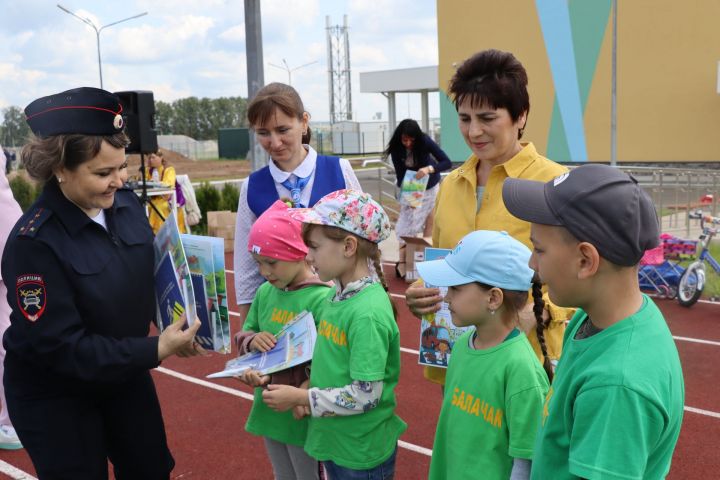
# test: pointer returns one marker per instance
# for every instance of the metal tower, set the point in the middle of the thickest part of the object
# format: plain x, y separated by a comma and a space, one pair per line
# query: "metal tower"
338, 49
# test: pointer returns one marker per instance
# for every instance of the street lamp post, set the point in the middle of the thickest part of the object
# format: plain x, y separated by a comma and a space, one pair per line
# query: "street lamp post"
97, 31
290, 70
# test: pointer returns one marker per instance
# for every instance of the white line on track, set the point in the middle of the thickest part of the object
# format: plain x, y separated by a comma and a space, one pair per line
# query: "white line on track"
702, 412
204, 383
247, 396
697, 340
14, 473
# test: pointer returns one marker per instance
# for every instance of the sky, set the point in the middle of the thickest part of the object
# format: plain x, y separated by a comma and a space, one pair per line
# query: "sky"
185, 48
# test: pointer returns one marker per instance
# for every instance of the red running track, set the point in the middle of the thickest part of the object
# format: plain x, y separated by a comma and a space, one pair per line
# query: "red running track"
206, 426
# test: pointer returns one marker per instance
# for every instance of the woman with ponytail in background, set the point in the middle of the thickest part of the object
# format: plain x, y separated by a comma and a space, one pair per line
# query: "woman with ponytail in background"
495, 385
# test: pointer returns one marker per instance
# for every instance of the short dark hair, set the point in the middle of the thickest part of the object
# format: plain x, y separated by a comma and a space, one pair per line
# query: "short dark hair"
494, 78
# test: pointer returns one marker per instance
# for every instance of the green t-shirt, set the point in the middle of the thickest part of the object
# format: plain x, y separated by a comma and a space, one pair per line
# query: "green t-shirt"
271, 309
358, 339
491, 410
616, 404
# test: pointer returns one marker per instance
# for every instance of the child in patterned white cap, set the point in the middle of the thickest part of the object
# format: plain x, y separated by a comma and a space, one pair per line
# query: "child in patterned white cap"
275, 242
356, 362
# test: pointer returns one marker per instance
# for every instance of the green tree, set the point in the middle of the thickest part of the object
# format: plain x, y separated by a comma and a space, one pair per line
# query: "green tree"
229, 197
15, 130
200, 118
24, 192
208, 200
163, 118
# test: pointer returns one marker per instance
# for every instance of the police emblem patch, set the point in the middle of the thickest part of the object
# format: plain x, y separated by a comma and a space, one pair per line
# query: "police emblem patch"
31, 296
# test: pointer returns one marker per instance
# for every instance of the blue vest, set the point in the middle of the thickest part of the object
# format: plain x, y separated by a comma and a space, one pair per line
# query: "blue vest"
262, 192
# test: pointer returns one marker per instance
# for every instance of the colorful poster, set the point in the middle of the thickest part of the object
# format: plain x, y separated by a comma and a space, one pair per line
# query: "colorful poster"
437, 332
202, 306
222, 330
413, 189
171, 304
295, 343
202, 260
167, 240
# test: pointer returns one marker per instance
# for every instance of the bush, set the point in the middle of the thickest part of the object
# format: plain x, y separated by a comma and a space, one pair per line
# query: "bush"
24, 192
208, 199
230, 195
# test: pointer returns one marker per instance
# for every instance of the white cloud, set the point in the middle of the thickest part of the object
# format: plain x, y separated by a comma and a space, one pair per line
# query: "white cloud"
186, 47
148, 43
234, 34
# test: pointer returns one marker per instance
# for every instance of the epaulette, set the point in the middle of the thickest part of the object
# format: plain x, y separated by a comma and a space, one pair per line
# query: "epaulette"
33, 220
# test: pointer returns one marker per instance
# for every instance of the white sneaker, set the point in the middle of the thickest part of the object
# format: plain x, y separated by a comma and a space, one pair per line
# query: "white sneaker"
9, 439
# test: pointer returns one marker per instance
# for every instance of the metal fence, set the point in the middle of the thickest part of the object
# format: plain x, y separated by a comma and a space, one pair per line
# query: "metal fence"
195, 149
349, 143
675, 192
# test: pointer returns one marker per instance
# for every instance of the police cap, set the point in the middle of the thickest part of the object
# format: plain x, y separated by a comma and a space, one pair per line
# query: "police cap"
84, 110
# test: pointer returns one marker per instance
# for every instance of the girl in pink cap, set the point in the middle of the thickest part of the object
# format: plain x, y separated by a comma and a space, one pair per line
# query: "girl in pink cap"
275, 242
353, 428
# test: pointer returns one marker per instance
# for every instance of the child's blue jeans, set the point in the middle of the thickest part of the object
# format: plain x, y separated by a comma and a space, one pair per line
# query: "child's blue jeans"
384, 471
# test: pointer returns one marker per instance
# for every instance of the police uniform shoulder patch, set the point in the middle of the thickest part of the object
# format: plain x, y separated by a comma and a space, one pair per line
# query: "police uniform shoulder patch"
33, 220
31, 295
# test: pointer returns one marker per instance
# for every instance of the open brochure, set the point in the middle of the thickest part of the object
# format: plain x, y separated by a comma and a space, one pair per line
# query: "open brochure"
190, 279
413, 189
295, 343
437, 332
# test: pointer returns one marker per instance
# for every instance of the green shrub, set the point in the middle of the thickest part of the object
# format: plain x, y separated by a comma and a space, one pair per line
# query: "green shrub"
230, 196
208, 199
24, 192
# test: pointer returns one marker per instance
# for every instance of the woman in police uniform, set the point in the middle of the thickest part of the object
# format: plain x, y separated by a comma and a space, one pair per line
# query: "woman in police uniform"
78, 268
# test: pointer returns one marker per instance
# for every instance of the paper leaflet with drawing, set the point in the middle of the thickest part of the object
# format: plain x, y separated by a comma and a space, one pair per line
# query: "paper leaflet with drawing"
437, 332
295, 343
413, 189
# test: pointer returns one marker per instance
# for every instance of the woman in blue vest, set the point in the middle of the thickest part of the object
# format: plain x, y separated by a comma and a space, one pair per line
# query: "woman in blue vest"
296, 171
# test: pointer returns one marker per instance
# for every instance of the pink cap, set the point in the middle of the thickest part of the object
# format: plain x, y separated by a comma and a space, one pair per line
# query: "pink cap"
277, 235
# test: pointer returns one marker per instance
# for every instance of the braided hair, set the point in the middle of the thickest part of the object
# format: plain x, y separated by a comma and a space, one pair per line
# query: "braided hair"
514, 301
541, 325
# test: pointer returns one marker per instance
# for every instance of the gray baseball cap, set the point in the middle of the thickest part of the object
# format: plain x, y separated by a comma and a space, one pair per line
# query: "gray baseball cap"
598, 204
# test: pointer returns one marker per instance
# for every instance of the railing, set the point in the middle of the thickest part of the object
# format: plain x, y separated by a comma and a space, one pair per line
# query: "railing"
675, 192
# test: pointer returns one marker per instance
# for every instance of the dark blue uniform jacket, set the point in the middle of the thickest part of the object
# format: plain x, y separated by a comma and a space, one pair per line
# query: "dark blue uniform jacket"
82, 297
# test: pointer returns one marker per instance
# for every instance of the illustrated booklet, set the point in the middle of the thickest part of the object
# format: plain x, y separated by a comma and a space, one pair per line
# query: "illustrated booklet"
173, 282
206, 261
437, 332
295, 343
413, 189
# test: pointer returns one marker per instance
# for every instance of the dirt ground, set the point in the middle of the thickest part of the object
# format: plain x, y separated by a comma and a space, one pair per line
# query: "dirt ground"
198, 170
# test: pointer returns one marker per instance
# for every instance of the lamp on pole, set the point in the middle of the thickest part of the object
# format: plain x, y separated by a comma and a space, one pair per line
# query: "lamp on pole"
290, 70
97, 31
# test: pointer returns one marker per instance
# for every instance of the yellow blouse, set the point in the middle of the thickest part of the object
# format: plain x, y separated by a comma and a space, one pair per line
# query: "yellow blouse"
455, 216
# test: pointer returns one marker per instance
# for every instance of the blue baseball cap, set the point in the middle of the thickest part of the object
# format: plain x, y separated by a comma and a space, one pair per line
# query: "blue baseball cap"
492, 258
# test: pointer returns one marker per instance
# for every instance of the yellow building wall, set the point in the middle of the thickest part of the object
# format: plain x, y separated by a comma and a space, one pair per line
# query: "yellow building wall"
668, 52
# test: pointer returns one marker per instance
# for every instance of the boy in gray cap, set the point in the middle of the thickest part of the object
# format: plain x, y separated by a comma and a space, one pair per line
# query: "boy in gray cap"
616, 404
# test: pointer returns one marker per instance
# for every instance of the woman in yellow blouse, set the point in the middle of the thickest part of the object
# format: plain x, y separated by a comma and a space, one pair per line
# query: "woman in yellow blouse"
159, 171
490, 94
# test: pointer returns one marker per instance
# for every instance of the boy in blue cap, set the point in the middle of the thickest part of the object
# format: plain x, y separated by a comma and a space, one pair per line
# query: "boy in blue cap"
495, 384
616, 404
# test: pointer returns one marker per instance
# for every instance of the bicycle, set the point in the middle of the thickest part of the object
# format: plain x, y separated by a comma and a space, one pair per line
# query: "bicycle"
692, 281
